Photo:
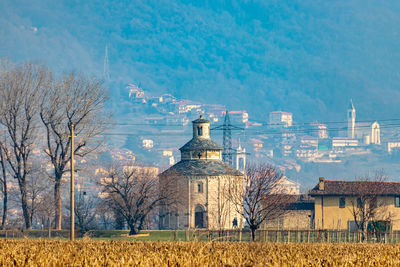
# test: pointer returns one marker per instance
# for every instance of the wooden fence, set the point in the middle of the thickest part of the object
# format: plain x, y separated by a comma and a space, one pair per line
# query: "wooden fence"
295, 236
285, 236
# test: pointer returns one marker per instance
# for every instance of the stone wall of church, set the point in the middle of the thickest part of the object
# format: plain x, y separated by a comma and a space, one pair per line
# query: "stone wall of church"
209, 204
198, 201
222, 212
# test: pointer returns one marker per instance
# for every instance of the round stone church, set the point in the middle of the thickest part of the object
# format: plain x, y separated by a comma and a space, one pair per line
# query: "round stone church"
201, 182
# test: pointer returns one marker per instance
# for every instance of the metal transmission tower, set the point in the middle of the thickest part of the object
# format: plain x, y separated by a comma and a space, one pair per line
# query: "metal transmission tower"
227, 128
106, 70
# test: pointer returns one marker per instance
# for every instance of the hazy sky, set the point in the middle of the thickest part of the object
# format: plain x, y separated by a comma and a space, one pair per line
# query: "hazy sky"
308, 57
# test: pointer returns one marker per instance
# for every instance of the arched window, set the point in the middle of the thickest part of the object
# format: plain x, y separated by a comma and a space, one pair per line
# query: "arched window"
200, 131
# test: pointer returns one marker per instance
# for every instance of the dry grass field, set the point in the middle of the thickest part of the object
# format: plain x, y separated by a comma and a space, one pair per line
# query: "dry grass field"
124, 253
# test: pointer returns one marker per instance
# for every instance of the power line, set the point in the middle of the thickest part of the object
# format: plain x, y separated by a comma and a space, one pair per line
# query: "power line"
265, 124
326, 122
256, 132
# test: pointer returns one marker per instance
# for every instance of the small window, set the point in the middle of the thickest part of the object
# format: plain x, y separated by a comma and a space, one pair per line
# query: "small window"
200, 187
342, 202
397, 201
200, 131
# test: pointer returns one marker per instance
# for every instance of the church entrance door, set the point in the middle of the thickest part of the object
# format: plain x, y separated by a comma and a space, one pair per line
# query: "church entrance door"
199, 217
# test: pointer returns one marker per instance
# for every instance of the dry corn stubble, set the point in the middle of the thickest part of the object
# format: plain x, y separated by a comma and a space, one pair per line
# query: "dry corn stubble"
123, 253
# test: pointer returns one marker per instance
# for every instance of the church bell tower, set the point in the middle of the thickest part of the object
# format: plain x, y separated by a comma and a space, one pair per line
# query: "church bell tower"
351, 120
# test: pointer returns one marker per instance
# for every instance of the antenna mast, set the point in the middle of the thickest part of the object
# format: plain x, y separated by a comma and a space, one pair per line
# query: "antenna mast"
106, 71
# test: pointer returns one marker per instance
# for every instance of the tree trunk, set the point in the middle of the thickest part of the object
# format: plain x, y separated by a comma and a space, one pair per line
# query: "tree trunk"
363, 234
5, 199
5, 192
32, 210
57, 201
133, 229
25, 210
253, 232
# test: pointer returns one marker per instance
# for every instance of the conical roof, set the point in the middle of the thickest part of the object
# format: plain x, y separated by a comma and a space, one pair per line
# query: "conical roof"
202, 168
200, 144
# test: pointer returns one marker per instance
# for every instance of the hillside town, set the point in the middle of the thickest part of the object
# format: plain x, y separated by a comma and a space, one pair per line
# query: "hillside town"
164, 122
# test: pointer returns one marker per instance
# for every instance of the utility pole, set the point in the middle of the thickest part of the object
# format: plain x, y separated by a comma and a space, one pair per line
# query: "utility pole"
72, 196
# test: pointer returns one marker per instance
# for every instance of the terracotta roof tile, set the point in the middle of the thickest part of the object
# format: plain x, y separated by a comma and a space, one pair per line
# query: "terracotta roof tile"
332, 187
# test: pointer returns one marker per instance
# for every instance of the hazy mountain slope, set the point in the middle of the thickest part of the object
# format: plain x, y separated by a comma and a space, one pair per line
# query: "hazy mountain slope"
308, 57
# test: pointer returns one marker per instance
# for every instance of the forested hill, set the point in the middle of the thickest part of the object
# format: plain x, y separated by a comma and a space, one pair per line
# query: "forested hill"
308, 57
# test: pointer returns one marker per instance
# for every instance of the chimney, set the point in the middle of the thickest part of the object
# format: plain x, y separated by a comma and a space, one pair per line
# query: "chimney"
321, 185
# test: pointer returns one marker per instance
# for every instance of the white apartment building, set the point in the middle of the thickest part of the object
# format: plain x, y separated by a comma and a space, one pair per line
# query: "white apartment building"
280, 119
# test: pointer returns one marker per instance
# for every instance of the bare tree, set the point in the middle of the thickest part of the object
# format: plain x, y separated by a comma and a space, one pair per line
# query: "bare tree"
72, 100
106, 215
257, 199
19, 94
134, 193
37, 187
367, 202
85, 211
45, 209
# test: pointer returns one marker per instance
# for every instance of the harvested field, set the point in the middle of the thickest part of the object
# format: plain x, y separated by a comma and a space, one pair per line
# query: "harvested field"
123, 253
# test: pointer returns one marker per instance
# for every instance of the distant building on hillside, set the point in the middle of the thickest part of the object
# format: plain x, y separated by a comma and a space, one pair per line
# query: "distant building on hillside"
238, 116
307, 148
280, 119
393, 147
368, 132
147, 143
319, 130
365, 132
215, 112
339, 144
167, 98
185, 106
142, 168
